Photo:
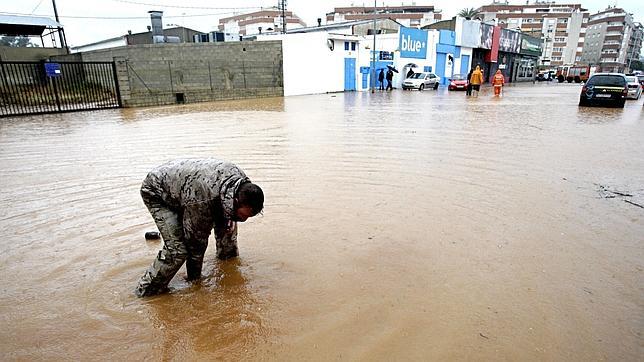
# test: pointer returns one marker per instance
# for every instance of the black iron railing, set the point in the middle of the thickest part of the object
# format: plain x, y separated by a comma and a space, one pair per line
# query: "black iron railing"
49, 87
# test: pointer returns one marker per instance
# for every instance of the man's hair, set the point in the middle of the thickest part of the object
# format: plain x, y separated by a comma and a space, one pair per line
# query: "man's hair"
249, 194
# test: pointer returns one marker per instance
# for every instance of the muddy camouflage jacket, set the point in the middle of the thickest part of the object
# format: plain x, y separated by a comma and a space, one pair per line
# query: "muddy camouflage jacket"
202, 191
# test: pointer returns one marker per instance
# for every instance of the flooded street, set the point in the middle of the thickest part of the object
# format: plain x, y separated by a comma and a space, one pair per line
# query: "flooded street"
397, 226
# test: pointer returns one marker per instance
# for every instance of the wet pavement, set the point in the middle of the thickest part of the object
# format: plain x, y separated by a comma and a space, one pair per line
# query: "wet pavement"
397, 226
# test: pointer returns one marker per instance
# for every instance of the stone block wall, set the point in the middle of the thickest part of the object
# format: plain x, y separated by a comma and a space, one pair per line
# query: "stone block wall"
159, 74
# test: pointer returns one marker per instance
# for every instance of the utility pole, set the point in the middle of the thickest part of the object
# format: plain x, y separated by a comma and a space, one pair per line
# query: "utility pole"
281, 6
63, 43
373, 51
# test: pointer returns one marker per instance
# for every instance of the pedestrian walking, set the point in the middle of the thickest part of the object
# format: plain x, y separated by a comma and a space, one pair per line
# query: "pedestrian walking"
187, 198
468, 88
390, 77
410, 73
381, 79
476, 80
498, 81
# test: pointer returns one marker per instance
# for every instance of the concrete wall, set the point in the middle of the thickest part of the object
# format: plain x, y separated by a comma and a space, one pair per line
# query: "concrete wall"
28, 54
157, 74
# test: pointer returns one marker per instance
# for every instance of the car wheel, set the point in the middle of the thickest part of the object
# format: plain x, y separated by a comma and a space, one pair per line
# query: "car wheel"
435, 85
421, 87
583, 102
621, 104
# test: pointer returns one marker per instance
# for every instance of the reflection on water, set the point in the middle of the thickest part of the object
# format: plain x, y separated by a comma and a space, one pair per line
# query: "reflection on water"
400, 225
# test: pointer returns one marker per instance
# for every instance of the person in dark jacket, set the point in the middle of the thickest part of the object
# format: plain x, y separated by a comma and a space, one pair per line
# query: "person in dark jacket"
390, 77
468, 89
187, 199
410, 73
381, 79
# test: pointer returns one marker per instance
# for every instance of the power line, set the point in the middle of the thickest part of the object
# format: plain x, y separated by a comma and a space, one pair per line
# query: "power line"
121, 17
40, 2
187, 7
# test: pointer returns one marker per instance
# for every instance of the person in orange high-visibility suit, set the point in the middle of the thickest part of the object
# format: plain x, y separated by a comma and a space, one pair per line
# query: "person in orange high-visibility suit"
497, 81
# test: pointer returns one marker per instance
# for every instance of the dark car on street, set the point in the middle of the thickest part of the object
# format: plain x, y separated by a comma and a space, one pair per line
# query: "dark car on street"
604, 89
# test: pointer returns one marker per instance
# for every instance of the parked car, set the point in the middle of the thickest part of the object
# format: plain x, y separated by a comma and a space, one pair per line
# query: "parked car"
604, 89
458, 82
421, 81
545, 76
640, 78
634, 87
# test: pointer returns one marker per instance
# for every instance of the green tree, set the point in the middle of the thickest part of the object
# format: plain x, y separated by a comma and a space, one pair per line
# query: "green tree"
17, 42
637, 65
468, 13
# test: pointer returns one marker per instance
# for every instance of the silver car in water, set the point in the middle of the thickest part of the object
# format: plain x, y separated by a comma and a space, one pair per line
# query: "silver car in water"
421, 81
634, 87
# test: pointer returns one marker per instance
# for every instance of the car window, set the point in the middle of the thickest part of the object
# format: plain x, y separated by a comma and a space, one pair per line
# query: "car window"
607, 80
458, 77
416, 75
432, 76
631, 79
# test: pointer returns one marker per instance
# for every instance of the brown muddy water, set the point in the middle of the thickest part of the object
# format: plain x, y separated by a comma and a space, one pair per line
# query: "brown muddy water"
397, 226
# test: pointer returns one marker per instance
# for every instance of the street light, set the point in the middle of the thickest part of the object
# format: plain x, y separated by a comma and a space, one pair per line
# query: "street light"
373, 51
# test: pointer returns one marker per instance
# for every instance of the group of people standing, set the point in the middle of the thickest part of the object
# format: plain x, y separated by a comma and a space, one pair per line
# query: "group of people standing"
389, 76
475, 79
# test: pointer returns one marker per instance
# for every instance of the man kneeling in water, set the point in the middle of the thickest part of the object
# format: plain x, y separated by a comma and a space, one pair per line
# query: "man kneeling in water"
187, 199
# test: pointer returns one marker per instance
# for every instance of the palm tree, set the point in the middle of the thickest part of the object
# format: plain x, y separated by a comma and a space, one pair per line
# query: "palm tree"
468, 13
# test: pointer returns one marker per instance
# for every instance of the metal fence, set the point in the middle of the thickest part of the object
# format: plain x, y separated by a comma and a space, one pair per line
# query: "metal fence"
45, 87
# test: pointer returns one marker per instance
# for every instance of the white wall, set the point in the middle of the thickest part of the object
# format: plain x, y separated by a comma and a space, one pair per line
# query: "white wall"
310, 67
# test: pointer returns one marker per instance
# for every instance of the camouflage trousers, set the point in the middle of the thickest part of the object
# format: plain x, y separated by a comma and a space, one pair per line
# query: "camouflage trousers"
176, 250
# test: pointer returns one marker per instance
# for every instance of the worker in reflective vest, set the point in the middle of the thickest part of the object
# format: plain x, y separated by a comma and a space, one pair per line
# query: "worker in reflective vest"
498, 82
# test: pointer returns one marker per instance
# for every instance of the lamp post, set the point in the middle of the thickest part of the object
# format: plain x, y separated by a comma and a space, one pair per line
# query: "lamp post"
373, 51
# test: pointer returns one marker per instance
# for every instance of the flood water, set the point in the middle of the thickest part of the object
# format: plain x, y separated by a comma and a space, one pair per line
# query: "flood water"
397, 226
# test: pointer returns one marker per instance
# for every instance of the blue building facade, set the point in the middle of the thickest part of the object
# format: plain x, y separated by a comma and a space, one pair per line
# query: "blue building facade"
447, 54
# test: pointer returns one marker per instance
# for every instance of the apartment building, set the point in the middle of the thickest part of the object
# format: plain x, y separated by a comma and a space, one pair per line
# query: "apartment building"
561, 27
409, 16
266, 20
613, 40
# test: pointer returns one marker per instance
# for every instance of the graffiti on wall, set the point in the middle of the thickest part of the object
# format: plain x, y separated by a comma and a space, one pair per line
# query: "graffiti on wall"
510, 41
486, 31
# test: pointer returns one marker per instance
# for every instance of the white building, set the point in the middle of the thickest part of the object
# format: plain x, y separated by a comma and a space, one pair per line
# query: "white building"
410, 16
338, 57
263, 21
561, 27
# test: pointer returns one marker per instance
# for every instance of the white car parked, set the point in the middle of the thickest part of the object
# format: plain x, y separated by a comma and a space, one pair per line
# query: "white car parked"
634, 87
421, 81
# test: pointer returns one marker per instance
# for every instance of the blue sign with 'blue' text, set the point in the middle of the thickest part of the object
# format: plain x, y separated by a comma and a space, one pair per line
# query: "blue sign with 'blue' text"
413, 43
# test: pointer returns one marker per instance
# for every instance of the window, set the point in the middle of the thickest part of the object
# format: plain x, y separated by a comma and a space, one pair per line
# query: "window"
608, 80
353, 45
346, 45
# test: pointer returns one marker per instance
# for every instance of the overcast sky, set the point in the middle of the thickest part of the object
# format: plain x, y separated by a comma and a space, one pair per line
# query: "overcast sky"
87, 21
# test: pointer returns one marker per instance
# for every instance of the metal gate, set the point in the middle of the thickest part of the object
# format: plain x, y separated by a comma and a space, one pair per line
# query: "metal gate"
47, 87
